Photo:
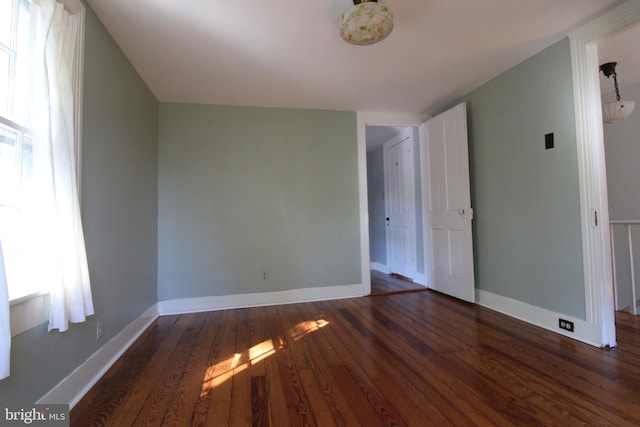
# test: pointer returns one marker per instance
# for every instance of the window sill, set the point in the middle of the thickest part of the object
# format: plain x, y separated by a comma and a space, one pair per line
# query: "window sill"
29, 311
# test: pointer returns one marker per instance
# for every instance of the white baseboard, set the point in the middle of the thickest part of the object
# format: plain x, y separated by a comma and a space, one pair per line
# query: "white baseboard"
382, 268
77, 384
420, 279
71, 389
225, 302
547, 319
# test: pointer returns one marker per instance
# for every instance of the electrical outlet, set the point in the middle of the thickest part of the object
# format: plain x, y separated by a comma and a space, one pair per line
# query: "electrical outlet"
264, 276
99, 330
567, 325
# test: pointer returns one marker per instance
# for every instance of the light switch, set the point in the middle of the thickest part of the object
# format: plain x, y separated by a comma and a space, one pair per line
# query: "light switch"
548, 141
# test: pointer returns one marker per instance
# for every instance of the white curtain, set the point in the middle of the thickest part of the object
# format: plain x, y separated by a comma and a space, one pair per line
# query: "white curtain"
5, 329
57, 237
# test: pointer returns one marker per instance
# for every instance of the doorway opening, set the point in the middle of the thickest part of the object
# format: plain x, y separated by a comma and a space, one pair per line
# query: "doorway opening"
395, 209
600, 315
623, 176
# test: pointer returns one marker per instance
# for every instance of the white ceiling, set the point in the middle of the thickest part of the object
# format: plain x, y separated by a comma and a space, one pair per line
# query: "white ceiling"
286, 53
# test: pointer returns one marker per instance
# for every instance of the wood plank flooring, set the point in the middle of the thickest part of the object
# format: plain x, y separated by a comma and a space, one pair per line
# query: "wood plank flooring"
384, 284
408, 359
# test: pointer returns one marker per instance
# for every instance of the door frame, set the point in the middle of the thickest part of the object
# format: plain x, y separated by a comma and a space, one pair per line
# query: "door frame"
374, 119
594, 204
407, 133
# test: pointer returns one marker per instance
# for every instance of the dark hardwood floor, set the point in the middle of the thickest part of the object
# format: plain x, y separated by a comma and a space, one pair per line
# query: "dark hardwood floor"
385, 284
408, 359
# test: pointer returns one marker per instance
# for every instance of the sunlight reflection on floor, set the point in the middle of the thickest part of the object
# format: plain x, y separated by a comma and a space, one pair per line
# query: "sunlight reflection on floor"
226, 369
304, 328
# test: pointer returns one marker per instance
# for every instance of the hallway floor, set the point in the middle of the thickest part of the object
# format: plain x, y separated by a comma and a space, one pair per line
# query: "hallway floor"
382, 284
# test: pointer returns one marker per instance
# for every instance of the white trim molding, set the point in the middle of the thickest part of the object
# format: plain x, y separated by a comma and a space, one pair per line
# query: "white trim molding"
258, 299
594, 205
71, 389
546, 319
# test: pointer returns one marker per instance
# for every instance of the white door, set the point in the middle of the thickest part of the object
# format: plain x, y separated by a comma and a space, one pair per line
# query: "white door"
447, 213
400, 204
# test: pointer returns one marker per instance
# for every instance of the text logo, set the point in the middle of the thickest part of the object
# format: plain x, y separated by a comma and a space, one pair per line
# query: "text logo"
36, 415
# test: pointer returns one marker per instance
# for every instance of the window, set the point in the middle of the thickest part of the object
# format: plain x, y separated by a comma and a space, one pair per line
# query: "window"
14, 59
43, 252
41, 56
16, 146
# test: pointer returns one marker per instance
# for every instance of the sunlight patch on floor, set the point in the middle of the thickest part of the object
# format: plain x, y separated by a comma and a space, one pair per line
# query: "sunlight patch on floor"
225, 370
303, 329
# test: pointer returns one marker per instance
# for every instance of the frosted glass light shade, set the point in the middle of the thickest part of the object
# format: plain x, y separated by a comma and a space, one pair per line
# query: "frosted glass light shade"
366, 23
617, 110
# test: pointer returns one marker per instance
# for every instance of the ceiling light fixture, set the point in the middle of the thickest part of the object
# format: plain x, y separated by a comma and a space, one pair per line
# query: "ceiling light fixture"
617, 110
367, 22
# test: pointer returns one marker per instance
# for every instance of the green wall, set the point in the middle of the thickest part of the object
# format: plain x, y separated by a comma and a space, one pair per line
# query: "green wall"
244, 190
527, 236
185, 200
119, 210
